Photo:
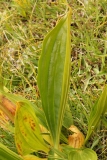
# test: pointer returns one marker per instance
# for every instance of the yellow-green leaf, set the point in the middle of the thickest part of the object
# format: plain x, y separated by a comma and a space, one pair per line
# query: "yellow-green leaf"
54, 73
85, 154
97, 112
28, 137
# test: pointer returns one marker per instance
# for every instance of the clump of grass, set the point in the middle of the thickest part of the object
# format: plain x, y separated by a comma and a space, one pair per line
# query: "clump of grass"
21, 40
88, 67
6, 138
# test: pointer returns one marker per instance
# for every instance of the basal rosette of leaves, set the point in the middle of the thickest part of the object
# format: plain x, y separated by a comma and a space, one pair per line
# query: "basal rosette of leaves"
39, 130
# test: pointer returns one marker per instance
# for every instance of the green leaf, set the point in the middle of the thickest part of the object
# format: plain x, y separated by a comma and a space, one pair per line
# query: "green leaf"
7, 154
85, 154
28, 137
54, 74
97, 112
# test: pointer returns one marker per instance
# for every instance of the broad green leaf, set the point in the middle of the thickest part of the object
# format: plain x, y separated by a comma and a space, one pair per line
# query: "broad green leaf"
97, 112
28, 137
85, 154
7, 154
54, 74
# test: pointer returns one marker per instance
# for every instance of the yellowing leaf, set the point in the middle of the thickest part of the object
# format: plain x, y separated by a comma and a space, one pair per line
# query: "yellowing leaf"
3, 119
76, 140
28, 137
4, 122
7, 107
